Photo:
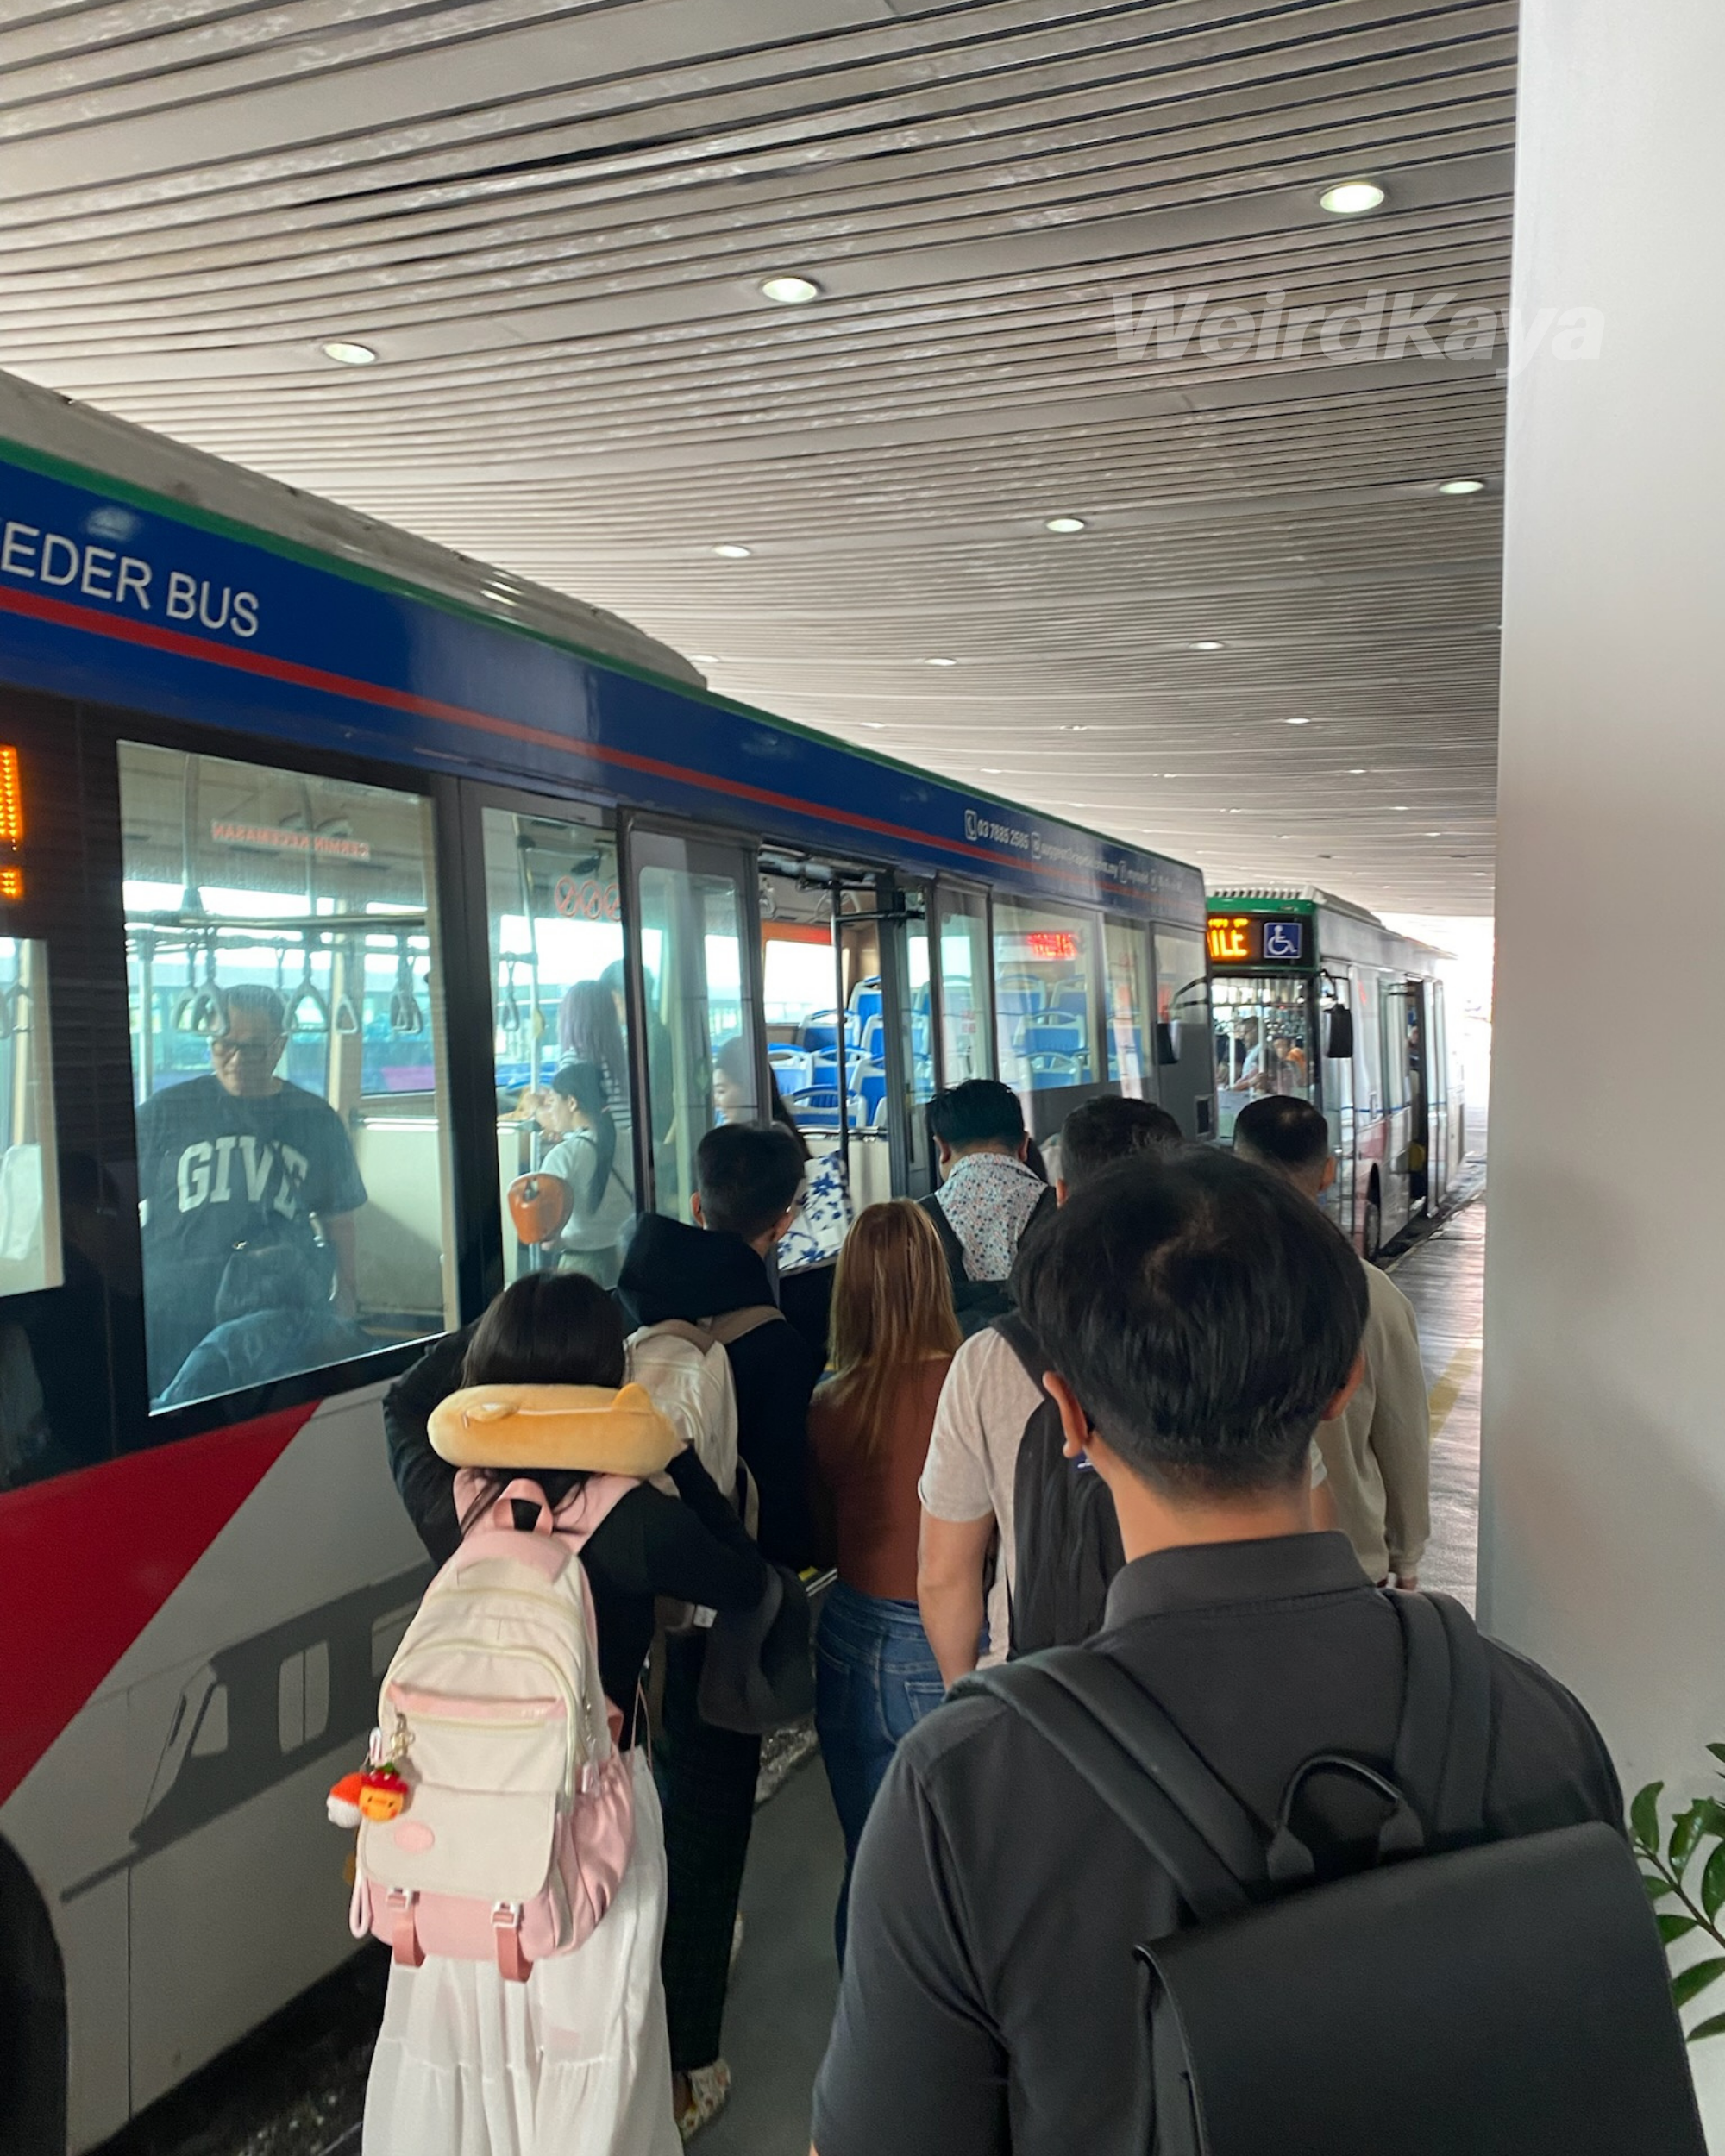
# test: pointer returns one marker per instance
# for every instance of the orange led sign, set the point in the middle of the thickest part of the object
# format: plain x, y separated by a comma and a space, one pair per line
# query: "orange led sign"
1231, 939
12, 799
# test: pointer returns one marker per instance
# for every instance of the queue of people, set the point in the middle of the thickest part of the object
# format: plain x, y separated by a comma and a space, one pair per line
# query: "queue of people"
1045, 1415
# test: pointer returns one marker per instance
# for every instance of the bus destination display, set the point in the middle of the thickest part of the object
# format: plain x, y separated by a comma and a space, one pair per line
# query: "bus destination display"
1255, 939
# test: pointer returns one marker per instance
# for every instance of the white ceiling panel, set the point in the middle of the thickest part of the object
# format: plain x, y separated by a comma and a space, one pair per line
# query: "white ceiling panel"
551, 220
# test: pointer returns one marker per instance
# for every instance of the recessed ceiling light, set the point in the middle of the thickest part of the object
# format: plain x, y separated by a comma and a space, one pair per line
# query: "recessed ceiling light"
1358, 771
703, 658
1434, 834
1399, 808
1297, 721
1350, 197
993, 771
1064, 523
940, 662
1461, 487
875, 725
1209, 644
735, 554
345, 353
790, 292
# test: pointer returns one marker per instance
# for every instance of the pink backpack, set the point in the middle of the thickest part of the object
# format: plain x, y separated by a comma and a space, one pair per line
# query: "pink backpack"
519, 1816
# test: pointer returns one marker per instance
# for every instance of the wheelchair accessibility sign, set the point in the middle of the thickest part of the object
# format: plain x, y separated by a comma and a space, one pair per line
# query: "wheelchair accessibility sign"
1284, 941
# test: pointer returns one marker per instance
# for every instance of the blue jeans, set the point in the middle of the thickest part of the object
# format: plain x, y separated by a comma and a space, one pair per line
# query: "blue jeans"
875, 1677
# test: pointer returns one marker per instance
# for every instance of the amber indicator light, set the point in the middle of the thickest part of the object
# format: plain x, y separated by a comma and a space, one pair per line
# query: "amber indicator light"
11, 821
1230, 937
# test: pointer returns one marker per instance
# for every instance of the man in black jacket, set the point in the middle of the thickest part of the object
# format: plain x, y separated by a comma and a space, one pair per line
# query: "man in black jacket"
747, 1178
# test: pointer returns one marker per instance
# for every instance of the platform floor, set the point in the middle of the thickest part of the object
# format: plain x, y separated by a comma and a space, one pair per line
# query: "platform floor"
296, 2088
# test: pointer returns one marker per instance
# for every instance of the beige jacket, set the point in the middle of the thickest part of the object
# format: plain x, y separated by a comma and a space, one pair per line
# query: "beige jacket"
1378, 1452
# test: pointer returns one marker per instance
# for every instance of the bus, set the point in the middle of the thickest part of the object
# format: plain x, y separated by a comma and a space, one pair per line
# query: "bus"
1315, 996
319, 848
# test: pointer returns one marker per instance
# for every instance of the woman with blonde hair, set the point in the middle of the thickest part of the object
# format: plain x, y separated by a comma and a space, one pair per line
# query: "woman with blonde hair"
894, 1334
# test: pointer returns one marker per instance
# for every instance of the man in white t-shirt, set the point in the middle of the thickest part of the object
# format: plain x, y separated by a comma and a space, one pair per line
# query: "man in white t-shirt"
988, 1397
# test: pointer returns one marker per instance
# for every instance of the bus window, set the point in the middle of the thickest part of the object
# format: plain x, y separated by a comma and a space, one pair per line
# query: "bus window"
700, 1015
30, 1256
287, 1068
1262, 1040
1042, 996
561, 1043
963, 950
1127, 1007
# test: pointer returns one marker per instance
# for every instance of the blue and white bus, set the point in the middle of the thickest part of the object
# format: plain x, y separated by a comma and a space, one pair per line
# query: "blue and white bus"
445, 826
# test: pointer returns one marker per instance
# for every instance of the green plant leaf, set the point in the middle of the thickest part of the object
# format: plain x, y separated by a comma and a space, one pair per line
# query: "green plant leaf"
1689, 1983
1712, 1815
1718, 1750
1715, 2027
1713, 1883
1685, 1832
1657, 1889
1672, 1928
1644, 1814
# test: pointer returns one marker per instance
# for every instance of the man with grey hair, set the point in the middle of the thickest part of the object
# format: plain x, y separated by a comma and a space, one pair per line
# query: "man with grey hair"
239, 1159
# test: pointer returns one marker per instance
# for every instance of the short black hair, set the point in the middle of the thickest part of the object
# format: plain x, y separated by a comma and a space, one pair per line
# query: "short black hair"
747, 1174
981, 1111
1281, 1131
1108, 1129
1203, 1312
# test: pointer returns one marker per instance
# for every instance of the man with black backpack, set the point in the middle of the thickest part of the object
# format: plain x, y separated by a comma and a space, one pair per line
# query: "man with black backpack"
1232, 1780
996, 1469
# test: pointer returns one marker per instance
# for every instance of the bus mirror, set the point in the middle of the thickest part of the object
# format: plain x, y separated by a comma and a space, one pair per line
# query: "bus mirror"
1167, 1041
1339, 1034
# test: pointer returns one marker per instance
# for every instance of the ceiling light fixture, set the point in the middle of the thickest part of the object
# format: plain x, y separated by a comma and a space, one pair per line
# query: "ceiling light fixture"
734, 553
345, 353
703, 658
1461, 487
1357, 771
1350, 197
1399, 808
1297, 721
1064, 523
940, 662
1209, 644
790, 292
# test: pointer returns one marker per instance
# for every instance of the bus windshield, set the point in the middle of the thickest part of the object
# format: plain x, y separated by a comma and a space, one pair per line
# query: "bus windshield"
1263, 1040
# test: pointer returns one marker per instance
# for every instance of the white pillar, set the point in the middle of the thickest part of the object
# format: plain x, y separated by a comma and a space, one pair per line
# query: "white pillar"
1604, 1517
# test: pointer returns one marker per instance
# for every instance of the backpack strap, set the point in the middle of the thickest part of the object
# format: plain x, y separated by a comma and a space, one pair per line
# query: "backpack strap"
1443, 1747
585, 1511
1117, 1740
950, 1243
1023, 1344
736, 1325
696, 1336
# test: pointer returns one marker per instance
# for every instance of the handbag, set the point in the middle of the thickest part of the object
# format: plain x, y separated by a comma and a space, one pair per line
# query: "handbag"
758, 1674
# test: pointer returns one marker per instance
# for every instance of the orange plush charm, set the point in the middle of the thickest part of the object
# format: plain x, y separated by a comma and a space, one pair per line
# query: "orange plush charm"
343, 1800
383, 1794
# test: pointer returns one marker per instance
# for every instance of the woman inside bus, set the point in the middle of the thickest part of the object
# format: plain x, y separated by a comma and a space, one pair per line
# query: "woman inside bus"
806, 1254
585, 1155
894, 1333
577, 2060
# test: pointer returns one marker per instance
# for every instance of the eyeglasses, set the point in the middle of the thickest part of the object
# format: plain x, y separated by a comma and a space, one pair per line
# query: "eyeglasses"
231, 1050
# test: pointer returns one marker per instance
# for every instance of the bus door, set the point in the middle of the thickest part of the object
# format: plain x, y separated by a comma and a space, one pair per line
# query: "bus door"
824, 1003
1184, 1063
1418, 1095
1336, 1095
906, 974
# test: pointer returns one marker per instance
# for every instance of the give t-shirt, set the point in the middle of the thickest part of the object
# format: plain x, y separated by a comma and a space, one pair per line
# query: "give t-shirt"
216, 1171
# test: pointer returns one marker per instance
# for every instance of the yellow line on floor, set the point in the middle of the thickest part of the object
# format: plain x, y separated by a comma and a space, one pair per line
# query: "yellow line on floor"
1447, 1390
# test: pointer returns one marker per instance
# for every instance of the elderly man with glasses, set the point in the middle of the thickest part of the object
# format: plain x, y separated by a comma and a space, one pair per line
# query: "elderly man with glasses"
238, 1160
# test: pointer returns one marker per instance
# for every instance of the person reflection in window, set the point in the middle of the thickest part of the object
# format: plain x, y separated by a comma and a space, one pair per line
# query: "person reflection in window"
271, 1320
240, 1159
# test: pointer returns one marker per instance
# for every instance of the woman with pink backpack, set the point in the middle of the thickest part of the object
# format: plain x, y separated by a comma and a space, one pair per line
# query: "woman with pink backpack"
510, 1848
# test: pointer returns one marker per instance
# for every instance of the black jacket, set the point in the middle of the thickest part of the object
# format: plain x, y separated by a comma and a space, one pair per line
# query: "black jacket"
674, 1271
427, 1485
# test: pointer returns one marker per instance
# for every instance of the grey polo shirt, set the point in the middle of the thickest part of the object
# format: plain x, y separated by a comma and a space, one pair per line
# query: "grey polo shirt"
990, 2002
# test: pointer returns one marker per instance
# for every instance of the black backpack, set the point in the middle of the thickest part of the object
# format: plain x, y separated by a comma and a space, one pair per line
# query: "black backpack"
978, 1302
1066, 1538
1493, 1999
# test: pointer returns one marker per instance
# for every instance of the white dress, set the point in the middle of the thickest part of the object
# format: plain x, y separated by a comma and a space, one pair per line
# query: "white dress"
575, 2062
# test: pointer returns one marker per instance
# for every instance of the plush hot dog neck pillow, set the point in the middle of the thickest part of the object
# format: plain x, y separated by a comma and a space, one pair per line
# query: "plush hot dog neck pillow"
587, 1426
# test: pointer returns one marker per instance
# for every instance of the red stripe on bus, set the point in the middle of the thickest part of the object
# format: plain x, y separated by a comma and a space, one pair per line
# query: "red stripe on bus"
119, 629
87, 1559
